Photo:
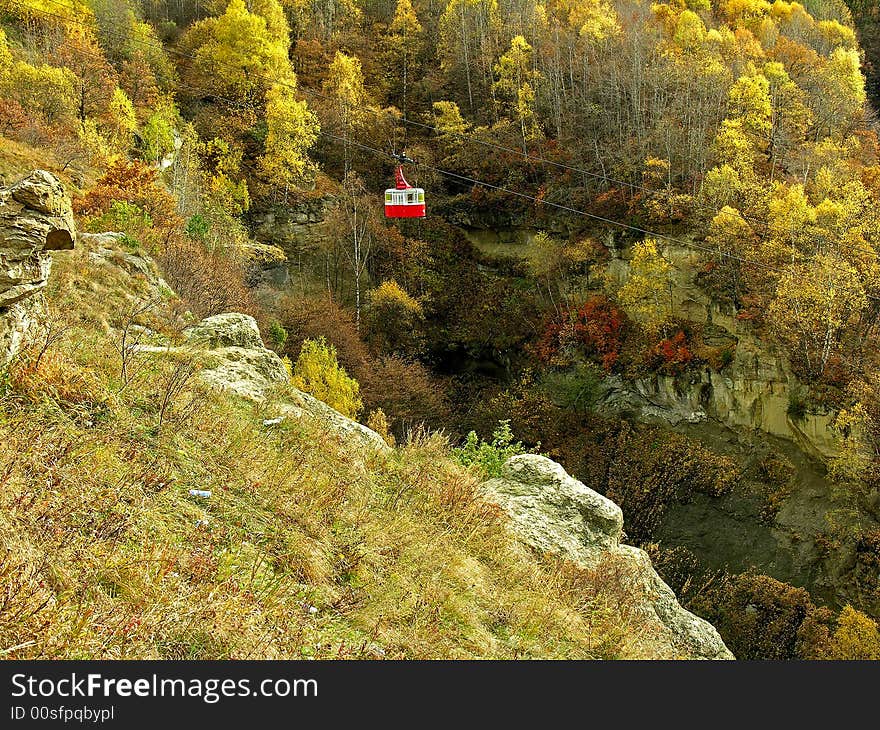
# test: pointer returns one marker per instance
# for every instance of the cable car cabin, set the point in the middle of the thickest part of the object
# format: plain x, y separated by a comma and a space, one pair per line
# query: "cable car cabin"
404, 201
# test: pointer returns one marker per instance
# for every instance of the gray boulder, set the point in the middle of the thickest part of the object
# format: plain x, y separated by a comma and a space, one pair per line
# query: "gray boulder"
35, 218
231, 329
298, 403
554, 513
235, 358
238, 362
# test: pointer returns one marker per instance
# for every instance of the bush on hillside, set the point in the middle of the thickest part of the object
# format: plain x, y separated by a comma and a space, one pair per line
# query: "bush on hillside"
318, 372
488, 457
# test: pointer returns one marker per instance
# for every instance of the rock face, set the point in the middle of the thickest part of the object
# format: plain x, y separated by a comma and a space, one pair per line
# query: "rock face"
753, 390
238, 362
555, 513
292, 228
35, 218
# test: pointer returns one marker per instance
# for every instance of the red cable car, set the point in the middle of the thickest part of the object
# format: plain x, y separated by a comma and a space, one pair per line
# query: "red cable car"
404, 201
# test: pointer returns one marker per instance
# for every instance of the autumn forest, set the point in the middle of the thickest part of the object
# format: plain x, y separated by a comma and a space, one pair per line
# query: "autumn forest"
650, 254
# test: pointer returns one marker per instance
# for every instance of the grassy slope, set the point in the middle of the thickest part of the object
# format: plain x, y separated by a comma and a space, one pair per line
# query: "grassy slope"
104, 554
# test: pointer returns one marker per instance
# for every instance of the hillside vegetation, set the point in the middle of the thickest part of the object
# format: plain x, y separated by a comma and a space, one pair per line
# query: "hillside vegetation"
232, 141
304, 548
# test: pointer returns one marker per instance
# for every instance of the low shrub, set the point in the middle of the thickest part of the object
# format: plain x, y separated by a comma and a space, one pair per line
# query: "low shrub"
595, 330
318, 372
488, 457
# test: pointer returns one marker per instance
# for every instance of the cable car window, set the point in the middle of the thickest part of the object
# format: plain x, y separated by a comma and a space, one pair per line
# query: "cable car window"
387, 197
410, 197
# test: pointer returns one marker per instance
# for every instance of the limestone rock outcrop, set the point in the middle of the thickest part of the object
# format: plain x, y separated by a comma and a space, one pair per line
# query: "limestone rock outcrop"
236, 359
35, 219
554, 513
238, 362
753, 390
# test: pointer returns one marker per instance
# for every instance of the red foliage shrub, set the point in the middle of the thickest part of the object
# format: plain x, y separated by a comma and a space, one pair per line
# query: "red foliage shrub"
671, 355
596, 328
131, 182
210, 282
310, 318
12, 116
405, 391
612, 203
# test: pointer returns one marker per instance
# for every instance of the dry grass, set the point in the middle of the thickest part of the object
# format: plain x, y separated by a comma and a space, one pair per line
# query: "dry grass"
303, 549
17, 159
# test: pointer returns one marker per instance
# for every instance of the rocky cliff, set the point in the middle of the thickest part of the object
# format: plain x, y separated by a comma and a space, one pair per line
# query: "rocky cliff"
548, 510
753, 391
35, 219
554, 513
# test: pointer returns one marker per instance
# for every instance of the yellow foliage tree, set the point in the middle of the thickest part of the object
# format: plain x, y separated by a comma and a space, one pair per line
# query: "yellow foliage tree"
122, 121
292, 129
790, 218
730, 233
394, 320
856, 454
594, 20
450, 126
237, 54
645, 295
514, 86
402, 45
790, 117
840, 98
47, 91
750, 104
815, 302
855, 638
318, 372
5, 55
348, 98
